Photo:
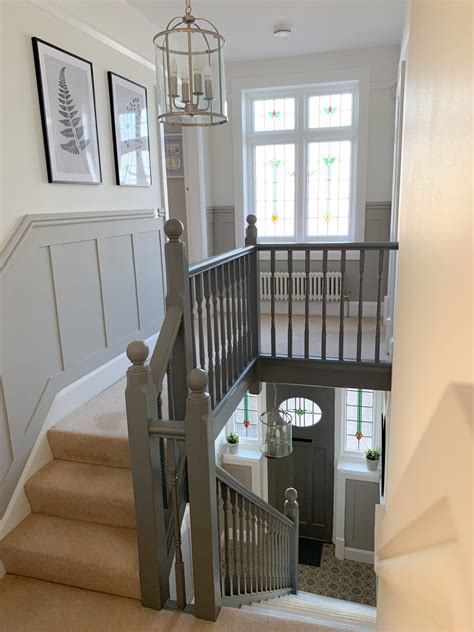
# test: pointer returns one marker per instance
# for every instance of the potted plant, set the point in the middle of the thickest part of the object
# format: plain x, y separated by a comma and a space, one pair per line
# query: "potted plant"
372, 457
233, 442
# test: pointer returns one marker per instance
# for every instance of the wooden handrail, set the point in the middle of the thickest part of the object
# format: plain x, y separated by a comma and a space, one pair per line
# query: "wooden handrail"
214, 262
165, 343
235, 485
320, 247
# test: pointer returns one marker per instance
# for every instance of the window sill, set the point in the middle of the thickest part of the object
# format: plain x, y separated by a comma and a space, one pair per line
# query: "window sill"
357, 470
246, 454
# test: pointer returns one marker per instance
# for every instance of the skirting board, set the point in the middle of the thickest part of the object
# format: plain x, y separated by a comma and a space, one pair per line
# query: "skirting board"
351, 308
343, 552
66, 401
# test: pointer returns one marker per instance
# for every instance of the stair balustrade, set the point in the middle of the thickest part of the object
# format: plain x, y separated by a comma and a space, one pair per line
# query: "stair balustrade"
210, 354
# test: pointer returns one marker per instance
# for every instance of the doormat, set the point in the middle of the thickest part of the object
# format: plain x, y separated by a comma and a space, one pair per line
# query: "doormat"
310, 551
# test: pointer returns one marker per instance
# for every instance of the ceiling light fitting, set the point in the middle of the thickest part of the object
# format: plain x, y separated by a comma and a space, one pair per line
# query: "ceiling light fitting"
281, 31
190, 72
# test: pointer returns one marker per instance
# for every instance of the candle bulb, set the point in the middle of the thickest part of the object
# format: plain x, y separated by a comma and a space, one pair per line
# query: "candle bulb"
174, 79
208, 83
197, 79
185, 85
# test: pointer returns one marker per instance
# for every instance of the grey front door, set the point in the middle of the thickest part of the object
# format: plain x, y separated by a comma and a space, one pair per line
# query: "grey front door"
310, 467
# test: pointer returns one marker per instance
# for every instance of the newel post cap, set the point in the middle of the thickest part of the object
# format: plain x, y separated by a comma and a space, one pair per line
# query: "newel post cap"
173, 229
251, 219
197, 381
291, 496
137, 352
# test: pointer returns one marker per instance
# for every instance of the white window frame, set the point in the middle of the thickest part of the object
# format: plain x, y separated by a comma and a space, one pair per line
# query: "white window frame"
247, 441
340, 413
313, 83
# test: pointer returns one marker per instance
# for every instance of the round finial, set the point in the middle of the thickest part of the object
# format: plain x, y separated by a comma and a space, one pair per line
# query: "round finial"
197, 381
173, 229
251, 219
137, 352
291, 495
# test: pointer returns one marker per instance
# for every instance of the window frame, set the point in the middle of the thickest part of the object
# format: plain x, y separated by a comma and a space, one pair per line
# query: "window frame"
325, 81
243, 440
376, 424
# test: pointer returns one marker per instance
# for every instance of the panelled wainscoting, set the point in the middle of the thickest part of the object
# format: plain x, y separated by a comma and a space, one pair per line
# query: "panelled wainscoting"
75, 291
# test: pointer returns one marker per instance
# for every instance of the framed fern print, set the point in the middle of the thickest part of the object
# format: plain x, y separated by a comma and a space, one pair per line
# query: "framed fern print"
129, 107
68, 115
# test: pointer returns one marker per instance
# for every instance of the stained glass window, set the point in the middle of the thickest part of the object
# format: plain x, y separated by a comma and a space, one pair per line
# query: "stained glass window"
244, 420
329, 188
359, 420
330, 110
303, 412
271, 115
274, 170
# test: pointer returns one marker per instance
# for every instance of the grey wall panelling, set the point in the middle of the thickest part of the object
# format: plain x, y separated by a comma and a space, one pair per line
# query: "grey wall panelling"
361, 498
75, 289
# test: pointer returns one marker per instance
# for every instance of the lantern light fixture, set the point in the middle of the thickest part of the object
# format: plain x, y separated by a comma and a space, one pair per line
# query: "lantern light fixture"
190, 72
277, 436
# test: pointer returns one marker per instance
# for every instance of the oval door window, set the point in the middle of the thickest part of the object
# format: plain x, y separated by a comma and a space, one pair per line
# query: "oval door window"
304, 412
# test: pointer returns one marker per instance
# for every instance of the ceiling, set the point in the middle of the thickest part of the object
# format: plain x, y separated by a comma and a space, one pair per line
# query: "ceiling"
317, 26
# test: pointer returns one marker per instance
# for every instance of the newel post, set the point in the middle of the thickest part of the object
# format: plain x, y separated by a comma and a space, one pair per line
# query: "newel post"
291, 511
140, 400
251, 240
202, 497
177, 294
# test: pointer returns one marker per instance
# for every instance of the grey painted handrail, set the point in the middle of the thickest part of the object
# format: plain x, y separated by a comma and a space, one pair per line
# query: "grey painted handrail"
168, 429
320, 247
218, 260
165, 344
234, 484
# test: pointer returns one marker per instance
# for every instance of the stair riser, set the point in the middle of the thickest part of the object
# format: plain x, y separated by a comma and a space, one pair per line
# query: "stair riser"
62, 571
108, 511
109, 451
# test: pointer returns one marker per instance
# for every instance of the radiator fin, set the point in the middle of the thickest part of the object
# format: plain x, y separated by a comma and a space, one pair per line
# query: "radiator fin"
315, 282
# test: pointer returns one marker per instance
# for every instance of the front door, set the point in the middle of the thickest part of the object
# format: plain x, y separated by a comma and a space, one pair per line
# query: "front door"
310, 467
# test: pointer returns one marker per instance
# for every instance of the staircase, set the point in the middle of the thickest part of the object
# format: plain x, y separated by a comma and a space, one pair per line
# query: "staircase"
316, 609
81, 531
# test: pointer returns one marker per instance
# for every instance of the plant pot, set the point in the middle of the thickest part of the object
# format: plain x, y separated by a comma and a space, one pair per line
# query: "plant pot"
372, 465
233, 448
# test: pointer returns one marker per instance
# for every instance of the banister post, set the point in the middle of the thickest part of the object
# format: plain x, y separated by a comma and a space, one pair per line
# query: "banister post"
177, 294
291, 511
251, 240
140, 399
202, 497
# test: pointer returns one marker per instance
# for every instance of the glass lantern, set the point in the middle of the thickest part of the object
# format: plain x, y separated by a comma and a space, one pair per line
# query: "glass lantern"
276, 433
190, 72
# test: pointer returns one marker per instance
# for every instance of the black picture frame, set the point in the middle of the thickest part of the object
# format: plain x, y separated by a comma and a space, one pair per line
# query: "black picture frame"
57, 130
136, 172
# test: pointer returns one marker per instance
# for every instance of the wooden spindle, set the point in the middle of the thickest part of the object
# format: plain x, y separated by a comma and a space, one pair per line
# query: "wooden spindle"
306, 304
240, 348
272, 303
193, 331
290, 303
235, 544
379, 304
265, 552
209, 341
169, 381
217, 367
225, 510
324, 307
243, 544
199, 300
255, 569
235, 333
220, 279
245, 332
230, 349
360, 310
248, 532
260, 548
220, 529
341, 306
250, 323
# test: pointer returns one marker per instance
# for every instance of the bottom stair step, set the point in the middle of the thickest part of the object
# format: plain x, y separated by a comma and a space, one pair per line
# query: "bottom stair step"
82, 554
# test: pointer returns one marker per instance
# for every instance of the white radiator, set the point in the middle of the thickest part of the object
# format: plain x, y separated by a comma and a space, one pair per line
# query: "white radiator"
333, 287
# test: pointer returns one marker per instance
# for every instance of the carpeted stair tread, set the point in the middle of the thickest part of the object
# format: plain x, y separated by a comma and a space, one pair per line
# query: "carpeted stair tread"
68, 444
82, 554
81, 491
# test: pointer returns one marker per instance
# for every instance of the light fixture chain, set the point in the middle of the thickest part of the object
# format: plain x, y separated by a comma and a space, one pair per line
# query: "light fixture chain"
188, 7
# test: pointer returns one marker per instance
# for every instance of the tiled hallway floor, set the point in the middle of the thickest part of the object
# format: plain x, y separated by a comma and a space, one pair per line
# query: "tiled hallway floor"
341, 579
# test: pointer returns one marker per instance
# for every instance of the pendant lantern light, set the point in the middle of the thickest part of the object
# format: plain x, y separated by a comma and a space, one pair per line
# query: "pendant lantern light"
276, 432
190, 72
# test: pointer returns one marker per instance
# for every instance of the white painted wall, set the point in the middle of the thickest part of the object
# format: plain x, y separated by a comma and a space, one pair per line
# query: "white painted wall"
424, 536
25, 187
382, 64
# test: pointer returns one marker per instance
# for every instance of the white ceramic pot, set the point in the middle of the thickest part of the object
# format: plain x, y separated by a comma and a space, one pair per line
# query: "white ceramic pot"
372, 465
233, 448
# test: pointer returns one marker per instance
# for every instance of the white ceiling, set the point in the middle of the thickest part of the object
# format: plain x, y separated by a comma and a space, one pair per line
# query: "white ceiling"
317, 26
